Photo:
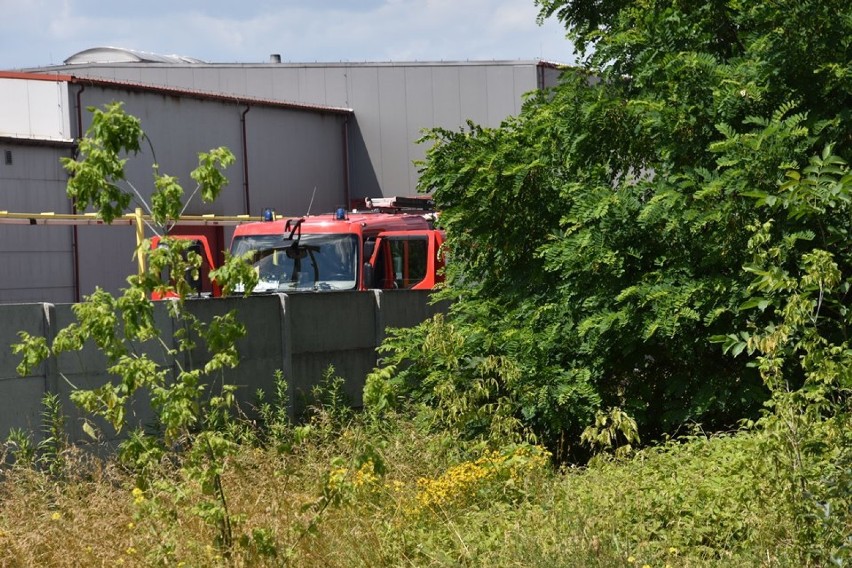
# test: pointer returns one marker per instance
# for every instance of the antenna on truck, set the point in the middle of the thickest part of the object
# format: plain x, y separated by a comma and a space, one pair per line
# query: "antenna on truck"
312, 201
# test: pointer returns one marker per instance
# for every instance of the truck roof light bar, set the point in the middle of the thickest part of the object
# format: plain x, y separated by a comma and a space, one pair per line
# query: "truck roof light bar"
399, 203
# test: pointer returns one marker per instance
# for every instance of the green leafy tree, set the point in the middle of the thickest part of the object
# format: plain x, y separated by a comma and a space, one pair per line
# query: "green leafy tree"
190, 410
598, 238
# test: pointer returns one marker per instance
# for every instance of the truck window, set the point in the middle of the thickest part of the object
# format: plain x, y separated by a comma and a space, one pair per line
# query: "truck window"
314, 262
403, 262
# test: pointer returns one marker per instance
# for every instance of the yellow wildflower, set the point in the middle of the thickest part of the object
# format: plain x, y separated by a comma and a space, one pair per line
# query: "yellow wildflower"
673, 551
55, 517
631, 559
138, 496
130, 551
365, 475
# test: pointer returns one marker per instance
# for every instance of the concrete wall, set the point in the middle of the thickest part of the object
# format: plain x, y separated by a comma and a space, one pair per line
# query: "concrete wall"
299, 334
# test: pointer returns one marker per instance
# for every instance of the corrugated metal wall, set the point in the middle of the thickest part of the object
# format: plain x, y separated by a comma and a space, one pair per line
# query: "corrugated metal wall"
35, 261
393, 102
292, 155
290, 152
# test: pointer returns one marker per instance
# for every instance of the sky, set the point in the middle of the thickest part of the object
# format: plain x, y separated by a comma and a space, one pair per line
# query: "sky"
36, 33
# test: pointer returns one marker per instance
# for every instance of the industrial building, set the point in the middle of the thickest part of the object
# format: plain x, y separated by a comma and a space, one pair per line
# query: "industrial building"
305, 136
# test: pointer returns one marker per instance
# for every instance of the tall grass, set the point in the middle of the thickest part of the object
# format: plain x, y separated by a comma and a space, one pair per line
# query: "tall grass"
348, 491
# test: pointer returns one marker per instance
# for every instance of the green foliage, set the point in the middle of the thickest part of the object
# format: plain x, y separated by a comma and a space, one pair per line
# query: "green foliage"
598, 239
194, 417
274, 415
798, 332
55, 441
95, 176
608, 431
34, 350
49, 453
384, 493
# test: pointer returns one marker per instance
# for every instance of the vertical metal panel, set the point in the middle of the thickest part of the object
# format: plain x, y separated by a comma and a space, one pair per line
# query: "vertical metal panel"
34, 109
291, 153
551, 76
500, 82
105, 257
394, 142
259, 82
233, 80
179, 75
337, 88
473, 94
524, 81
312, 85
420, 114
446, 109
204, 79
285, 83
131, 73
366, 154
36, 261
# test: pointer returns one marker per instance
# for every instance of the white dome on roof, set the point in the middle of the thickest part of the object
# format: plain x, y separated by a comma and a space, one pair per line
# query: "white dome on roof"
123, 55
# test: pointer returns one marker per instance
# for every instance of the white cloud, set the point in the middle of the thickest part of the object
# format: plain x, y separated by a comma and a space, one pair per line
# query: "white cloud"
333, 30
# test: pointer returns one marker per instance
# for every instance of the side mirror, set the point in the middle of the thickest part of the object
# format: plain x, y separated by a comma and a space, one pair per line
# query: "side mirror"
368, 276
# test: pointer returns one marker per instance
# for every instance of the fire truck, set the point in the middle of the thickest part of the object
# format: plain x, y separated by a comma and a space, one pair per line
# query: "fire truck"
384, 243
387, 243
390, 244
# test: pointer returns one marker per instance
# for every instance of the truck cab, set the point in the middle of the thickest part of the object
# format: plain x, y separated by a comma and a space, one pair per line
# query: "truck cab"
381, 247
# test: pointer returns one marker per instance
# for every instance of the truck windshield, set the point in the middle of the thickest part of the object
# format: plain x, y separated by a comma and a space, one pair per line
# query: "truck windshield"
313, 262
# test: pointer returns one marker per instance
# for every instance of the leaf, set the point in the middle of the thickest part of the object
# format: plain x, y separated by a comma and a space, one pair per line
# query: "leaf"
89, 430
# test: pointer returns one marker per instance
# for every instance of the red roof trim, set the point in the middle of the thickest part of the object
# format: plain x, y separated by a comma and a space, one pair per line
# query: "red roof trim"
36, 76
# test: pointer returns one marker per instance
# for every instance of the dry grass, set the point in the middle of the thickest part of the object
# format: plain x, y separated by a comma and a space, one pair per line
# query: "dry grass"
354, 496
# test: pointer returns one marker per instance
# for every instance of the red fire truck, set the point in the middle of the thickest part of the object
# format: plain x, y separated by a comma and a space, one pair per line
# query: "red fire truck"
386, 243
389, 243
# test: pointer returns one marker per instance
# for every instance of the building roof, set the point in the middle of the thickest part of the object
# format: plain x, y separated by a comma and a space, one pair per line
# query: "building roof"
173, 91
109, 54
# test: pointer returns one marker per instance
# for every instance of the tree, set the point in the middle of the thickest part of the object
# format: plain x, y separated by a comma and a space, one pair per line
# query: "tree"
598, 239
189, 410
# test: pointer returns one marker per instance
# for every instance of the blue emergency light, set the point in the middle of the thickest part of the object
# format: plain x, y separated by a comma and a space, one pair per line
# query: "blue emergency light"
340, 214
268, 214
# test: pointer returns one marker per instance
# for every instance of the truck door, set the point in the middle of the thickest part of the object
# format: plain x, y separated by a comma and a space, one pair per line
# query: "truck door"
204, 286
407, 260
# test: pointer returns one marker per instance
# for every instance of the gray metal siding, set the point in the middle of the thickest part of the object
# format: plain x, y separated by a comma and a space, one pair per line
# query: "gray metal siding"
289, 151
367, 159
420, 111
393, 143
291, 154
392, 102
36, 261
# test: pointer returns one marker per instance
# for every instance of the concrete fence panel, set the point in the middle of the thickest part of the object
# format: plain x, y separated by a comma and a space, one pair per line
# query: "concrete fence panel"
21, 396
337, 329
301, 335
